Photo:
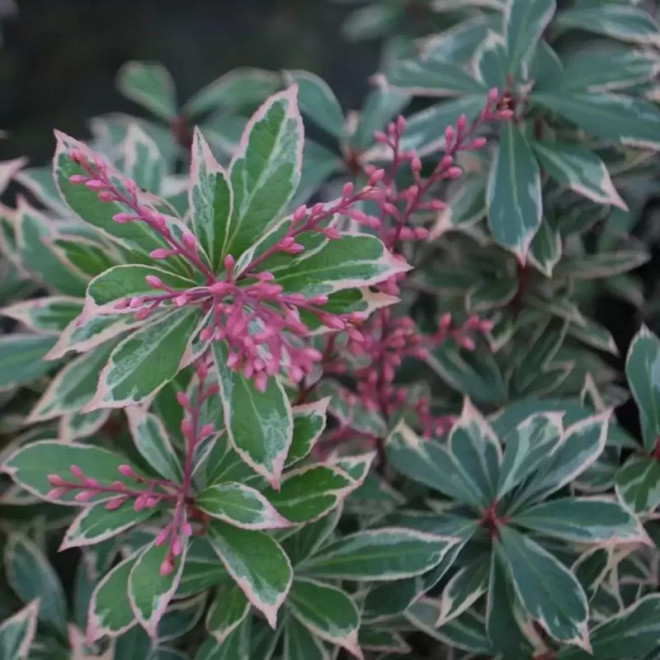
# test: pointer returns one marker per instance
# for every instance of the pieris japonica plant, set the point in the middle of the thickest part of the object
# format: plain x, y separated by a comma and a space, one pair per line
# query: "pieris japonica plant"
268, 396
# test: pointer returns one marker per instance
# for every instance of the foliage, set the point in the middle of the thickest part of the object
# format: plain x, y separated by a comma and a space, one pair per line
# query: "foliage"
281, 396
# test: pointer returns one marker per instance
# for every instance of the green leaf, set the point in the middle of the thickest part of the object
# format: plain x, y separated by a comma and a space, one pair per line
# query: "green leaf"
17, 632
385, 641
145, 361
547, 590
380, 555
48, 315
149, 591
328, 612
503, 615
31, 576
583, 520
638, 484
524, 23
581, 444
634, 630
228, 610
526, 447
345, 263
300, 644
463, 590
578, 169
95, 524
234, 90
433, 78
259, 424
265, 170
381, 105
643, 374
308, 423
210, 199
604, 264
120, 283
152, 441
309, 538
236, 646
31, 465
477, 452
22, 358
142, 160
181, 617
110, 610
240, 505
466, 205
202, 569
611, 117
150, 85
609, 70
620, 22
73, 386
35, 238
431, 464
491, 294
264, 583
308, 493
515, 205
318, 102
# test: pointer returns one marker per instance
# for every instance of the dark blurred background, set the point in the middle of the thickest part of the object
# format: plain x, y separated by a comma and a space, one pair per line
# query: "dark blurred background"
59, 58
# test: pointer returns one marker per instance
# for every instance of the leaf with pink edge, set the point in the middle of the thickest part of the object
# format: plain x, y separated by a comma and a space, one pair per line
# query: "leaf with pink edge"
210, 198
264, 583
228, 609
240, 505
259, 424
149, 590
265, 170
308, 424
17, 632
327, 612
48, 315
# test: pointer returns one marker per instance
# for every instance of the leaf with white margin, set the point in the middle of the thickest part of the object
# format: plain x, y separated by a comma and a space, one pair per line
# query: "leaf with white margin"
327, 612
149, 84
548, 591
265, 169
579, 448
73, 387
390, 553
431, 464
142, 160
463, 590
580, 170
210, 199
261, 437
18, 631
309, 492
95, 524
477, 450
526, 447
309, 421
110, 610
144, 362
265, 584
152, 441
241, 506
583, 520
149, 591
31, 465
515, 204
348, 262
643, 374
638, 484
47, 315
524, 23
433, 79
634, 629
31, 576
228, 609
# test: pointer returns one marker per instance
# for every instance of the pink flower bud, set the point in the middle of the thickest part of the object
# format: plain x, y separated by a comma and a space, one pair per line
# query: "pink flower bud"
166, 567
347, 190
299, 213
230, 262
401, 123
122, 218
461, 123
127, 471
162, 536
183, 399
181, 300
115, 503
85, 495
160, 253
493, 94
454, 173
416, 164
505, 114
450, 134
76, 471
190, 242
142, 314
154, 282
380, 137
106, 196
177, 548
56, 480
77, 178
261, 381
187, 529
376, 176
95, 184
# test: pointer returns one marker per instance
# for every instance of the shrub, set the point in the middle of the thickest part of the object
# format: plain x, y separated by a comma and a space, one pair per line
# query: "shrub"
296, 400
